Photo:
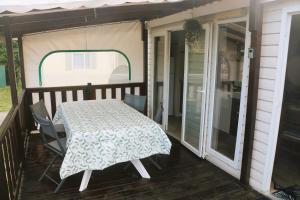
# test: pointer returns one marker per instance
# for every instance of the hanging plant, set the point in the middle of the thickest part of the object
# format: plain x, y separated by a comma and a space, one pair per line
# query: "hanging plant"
192, 29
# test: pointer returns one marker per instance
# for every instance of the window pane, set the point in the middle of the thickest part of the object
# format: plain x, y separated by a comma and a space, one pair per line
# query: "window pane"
159, 57
80, 68
78, 61
194, 91
230, 60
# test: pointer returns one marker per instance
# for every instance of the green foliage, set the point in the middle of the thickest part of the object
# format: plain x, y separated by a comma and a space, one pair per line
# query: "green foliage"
5, 99
3, 57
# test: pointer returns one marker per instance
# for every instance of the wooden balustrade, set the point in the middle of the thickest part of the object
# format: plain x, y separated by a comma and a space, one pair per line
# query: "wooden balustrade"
53, 96
18, 122
12, 150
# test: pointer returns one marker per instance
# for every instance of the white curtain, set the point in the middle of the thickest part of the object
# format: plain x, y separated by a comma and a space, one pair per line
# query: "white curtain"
125, 37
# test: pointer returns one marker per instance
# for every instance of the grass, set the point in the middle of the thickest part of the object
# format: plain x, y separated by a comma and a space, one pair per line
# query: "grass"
5, 99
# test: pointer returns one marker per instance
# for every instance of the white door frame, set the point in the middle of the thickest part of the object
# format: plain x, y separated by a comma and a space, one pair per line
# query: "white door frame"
231, 166
166, 33
155, 34
200, 150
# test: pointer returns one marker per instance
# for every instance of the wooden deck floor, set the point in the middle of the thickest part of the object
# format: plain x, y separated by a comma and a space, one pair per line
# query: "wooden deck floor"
184, 176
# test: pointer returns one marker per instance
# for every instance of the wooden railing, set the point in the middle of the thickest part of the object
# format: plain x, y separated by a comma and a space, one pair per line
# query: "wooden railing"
53, 96
18, 122
12, 150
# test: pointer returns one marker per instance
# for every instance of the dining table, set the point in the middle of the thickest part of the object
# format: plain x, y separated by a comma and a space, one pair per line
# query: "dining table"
102, 133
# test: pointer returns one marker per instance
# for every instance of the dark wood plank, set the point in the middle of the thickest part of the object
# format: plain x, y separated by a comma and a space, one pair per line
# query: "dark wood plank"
122, 92
132, 90
53, 103
21, 57
41, 96
103, 93
64, 96
256, 15
11, 68
113, 92
184, 176
3, 182
74, 95
13, 147
8, 169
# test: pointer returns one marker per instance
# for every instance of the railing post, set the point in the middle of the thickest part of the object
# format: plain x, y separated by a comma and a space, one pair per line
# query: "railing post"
89, 93
11, 67
3, 182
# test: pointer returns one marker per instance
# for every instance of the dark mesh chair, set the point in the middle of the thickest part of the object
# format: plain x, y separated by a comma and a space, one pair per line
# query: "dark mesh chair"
136, 102
139, 103
50, 138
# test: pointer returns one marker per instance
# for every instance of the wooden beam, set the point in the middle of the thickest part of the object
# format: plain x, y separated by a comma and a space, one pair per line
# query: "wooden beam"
21, 57
255, 22
11, 68
145, 54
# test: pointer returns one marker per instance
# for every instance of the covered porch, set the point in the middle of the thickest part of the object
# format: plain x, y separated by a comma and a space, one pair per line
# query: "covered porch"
183, 176
23, 157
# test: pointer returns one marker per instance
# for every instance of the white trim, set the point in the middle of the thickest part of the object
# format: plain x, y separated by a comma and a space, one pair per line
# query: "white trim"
211, 153
198, 151
153, 36
166, 79
207, 9
286, 17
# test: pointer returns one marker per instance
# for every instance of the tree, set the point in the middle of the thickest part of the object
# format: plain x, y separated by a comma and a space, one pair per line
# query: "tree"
3, 58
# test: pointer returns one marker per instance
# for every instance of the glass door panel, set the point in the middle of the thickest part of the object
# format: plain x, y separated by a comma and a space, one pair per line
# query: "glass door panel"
228, 88
194, 95
158, 86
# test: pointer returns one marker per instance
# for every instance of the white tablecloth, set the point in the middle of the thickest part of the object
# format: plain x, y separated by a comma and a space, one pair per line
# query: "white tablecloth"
102, 133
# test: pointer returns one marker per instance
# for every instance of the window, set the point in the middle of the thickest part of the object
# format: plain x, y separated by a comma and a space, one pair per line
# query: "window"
81, 61
67, 68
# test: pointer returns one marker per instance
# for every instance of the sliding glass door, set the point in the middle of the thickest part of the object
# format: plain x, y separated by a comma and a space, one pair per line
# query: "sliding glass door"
229, 89
195, 79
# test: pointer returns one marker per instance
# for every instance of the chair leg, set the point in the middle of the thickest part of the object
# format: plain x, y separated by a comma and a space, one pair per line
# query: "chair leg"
48, 167
155, 163
59, 185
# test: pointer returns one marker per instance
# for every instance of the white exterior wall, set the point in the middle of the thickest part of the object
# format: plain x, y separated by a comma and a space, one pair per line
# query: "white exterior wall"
271, 84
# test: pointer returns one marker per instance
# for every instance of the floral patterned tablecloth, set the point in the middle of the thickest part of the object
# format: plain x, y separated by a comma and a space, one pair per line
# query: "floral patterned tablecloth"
101, 133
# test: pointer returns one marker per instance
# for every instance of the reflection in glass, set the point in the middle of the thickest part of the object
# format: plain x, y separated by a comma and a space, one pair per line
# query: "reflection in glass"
80, 68
159, 56
230, 59
194, 91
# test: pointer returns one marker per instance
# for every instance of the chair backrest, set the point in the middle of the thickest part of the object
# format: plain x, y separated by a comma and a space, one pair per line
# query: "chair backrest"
40, 109
135, 101
47, 129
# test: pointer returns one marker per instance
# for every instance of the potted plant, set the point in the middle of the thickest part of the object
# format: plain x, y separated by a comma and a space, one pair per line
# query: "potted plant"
192, 29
